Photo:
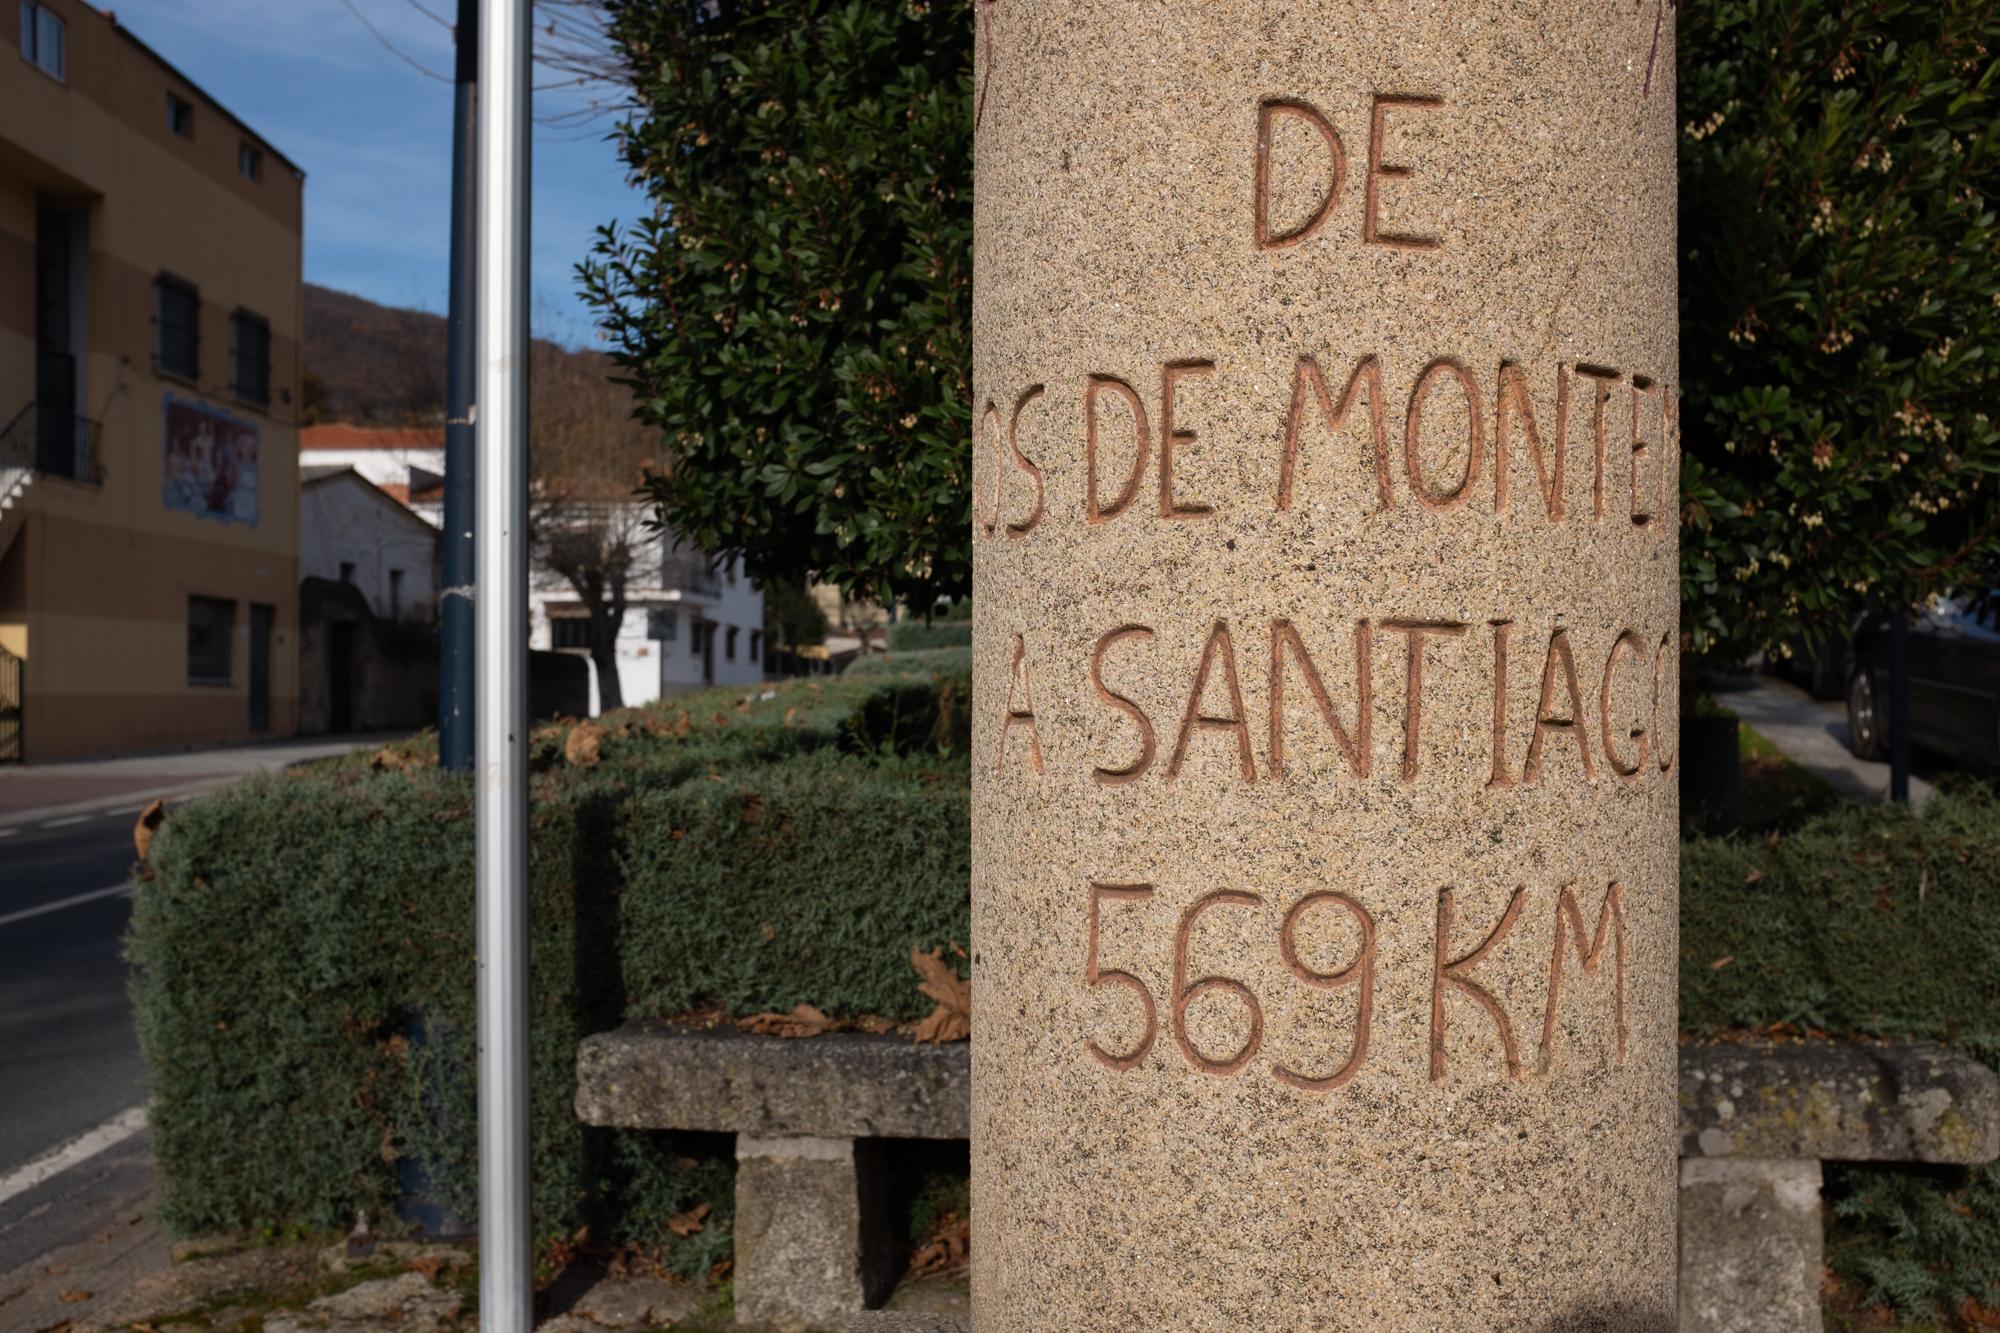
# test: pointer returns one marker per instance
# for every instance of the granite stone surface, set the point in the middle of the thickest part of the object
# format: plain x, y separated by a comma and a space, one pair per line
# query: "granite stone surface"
896, 1321
1839, 1101
1751, 1246
811, 1232
650, 1075
1326, 665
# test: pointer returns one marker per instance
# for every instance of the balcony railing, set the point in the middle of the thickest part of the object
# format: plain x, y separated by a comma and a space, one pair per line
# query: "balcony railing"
691, 574
54, 443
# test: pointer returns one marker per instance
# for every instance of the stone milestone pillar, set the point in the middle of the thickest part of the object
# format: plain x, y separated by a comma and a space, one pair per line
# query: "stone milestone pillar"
1325, 820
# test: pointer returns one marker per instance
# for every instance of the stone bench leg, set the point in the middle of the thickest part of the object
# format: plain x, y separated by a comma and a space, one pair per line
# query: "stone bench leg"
1751, 1246
812, 1231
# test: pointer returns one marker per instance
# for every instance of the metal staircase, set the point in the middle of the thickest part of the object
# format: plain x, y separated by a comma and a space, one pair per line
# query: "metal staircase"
17, 472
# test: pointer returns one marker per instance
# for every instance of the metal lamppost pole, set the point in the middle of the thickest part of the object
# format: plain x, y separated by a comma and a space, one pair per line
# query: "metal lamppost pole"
1899, 706
455, 693
506, 1287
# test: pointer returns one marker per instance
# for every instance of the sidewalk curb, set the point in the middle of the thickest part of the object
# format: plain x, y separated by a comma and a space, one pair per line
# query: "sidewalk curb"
143, 796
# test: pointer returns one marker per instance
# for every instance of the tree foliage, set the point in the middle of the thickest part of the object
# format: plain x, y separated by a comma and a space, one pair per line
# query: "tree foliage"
793, 316
1840, 301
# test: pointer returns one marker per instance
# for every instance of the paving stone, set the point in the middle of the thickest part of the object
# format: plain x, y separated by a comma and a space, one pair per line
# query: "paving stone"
636, 1303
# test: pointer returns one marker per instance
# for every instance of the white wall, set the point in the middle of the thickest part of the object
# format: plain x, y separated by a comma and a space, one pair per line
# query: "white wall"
652, 668
344, 519
385, 467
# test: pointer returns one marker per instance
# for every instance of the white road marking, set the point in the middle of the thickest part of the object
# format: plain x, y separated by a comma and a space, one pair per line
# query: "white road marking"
8, 832
58, 1160
62, 823
60, 903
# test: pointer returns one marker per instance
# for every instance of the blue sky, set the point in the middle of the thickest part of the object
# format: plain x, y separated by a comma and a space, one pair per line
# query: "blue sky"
374, 137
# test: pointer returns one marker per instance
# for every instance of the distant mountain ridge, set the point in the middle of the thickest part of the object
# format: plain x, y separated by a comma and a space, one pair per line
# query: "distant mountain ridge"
377, 365
372, 365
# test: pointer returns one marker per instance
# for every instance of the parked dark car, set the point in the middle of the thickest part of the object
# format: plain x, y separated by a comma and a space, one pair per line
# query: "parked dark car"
1954, 681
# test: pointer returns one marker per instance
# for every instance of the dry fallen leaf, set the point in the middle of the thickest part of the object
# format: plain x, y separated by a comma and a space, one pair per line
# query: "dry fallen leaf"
688, 1223
952, 1019
149, 823
945, 1248
791, 716
803, 1021
73, 1297
1722, 962
1755, 876
430, 1265
584, 746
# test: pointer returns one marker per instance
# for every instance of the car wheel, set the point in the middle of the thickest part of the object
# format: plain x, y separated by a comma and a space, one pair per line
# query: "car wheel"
1867, 728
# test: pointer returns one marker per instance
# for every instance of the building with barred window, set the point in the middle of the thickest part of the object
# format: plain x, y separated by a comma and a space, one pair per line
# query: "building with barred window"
150, 319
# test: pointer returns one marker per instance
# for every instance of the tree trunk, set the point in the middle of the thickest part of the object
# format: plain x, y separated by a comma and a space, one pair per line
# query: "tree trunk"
604, 656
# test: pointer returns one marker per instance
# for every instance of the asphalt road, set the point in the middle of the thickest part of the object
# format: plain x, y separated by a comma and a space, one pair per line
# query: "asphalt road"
69, 1061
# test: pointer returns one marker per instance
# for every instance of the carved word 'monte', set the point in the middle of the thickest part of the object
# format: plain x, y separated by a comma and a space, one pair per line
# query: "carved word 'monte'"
1630, 421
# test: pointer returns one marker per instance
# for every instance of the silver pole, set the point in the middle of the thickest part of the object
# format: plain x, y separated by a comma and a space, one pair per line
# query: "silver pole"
500, 440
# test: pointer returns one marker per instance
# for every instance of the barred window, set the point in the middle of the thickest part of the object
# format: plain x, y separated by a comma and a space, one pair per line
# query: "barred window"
177, 327
252, 341
211, 623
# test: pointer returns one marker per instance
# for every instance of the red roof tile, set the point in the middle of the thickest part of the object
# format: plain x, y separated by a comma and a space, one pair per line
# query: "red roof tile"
339, 436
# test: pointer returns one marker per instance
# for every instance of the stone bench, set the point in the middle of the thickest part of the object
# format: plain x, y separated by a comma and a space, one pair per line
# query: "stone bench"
814, 1241
1756, 1122
814, 1238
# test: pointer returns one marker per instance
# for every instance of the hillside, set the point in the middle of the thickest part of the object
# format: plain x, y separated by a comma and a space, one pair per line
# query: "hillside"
372, 365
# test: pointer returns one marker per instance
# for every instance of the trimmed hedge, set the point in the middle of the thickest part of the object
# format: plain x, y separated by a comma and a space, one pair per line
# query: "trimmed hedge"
786, 884
303, 951
1868, 921
1873, 922
912, 636
924, 661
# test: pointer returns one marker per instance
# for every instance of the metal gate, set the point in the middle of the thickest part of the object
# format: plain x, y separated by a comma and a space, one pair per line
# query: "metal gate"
11, 675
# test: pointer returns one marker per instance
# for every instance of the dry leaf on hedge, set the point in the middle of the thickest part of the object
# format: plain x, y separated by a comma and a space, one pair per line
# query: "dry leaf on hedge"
945, 1248
584, 746
952, 1019
688, 1223
390, 757
149, 823
803, 1021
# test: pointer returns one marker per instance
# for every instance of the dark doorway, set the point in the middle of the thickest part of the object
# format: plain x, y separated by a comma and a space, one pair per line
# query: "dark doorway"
260, 667
58, 326
340, 676
707, 630
12, 674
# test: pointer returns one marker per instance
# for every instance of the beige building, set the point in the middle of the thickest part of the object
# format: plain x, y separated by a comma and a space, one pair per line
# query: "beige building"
150, 320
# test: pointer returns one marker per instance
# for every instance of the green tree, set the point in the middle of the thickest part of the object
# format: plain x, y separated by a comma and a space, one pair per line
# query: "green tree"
792, 617
793, 316
1840, 292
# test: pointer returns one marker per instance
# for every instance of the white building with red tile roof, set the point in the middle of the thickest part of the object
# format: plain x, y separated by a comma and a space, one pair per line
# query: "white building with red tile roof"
689, 621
